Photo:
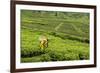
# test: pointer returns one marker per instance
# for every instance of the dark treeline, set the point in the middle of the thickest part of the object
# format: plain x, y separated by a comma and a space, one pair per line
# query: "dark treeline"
57, 14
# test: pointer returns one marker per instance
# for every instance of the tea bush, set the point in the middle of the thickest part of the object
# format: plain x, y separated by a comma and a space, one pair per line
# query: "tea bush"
83, 55
45, 57
56, 56
71, 56
31, 52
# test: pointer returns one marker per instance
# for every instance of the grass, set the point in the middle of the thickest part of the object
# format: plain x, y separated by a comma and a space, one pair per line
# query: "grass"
69, 42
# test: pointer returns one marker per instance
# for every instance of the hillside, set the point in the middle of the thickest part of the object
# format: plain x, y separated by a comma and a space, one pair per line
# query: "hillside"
67, 32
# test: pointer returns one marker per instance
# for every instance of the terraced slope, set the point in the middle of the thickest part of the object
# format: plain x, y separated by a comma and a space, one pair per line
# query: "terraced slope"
67, 32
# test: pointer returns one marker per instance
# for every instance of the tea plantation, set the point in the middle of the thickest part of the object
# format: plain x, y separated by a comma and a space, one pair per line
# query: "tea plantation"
67, 33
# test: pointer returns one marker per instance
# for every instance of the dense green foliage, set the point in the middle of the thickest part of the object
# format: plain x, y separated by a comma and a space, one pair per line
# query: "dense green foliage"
67, 32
